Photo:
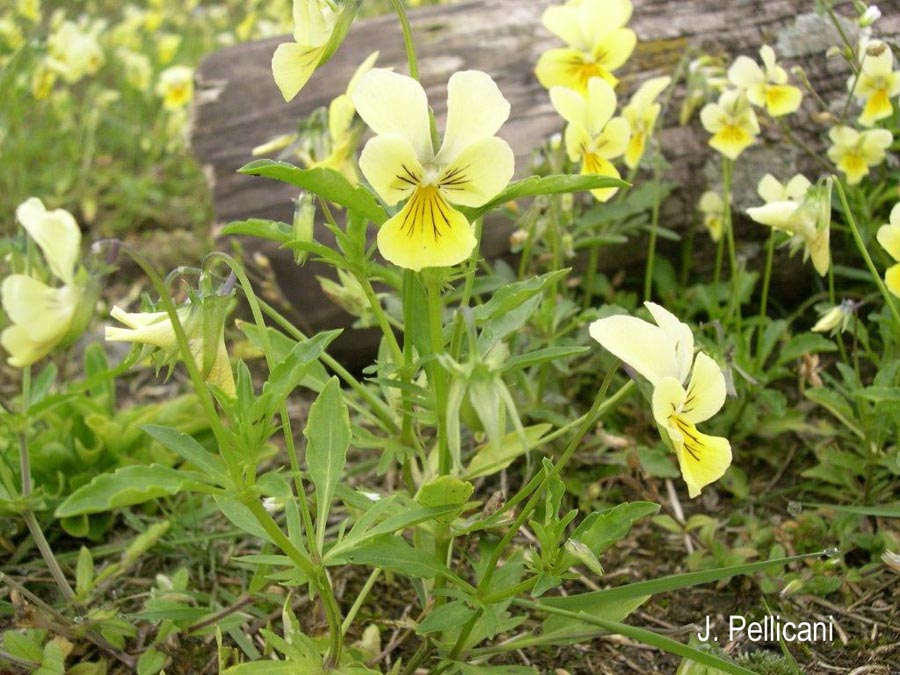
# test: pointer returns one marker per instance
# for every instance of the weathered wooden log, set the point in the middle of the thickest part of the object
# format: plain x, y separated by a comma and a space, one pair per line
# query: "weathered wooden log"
239, 106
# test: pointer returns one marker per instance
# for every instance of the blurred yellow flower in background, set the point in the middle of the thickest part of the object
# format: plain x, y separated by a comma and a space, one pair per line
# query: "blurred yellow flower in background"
766, 87
854, 152
176, 87
641, 114
732, 123
889, 238
878, 81
713, 209
593, 136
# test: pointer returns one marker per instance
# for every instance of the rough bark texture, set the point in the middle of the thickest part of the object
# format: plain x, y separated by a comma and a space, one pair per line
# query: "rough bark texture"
239, 106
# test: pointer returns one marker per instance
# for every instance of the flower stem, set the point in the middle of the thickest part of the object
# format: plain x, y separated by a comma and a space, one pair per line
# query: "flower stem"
728, 226
654, 226
851, 221
767, 278
407, 38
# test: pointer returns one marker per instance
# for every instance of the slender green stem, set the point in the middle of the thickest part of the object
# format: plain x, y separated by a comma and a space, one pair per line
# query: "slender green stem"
717, 268
407, 38
206, 400
380, 412
601, 406
360, 599
728, 225
763, 303
468, 287
316, 574
851, 221
288, 433
654, 227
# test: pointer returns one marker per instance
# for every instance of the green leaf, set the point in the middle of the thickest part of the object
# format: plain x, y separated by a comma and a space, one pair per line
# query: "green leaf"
446, 617
151, 662
602, 529
54, 659
326, 183
393, 553
493, 457
547, 185
25, 644
542, 355
328, 437
445, 491
882, 511
84, 572
673, 582
189, 449
879, 394
290, 371
805, 343
272, 230
125, 487
469, 669
601, 608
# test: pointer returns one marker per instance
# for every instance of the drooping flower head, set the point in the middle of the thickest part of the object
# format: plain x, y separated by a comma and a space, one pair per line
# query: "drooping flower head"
203, 324
641, 114
662, 353
878, 81
43, 316
713, 209
766, 87
889, 238
471, 167
732, 123
294, 62
597, 42
801, 209
593, 136
853, 152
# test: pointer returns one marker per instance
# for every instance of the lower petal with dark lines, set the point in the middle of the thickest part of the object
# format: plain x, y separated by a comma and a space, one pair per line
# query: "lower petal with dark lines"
703, 459
427, 232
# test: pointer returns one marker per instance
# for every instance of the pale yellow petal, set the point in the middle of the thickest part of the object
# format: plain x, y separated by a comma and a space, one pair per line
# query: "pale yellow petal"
776, 214
479, 174
476, 109
770, 189
614, 138
819, 251
668, 397
644, 347
843, 136
878, 106
892, 279
292, 66
313, 22
601, 17
391, 166
601, 104
648, 91
705, 394
679, 334
22, 349
571, 106
44, 313
361, 70
615, 48
577, 141
713, 117
427, 232
564, 21
731, 141
889, 238
340, 118
797, 187
569, 68
782, 99
703, 459
56, 233
895, 216
635, 149
391, 103
745, 72
595, 165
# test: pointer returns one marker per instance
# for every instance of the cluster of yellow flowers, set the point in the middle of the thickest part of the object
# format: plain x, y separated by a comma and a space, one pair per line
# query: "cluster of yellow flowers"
581, 83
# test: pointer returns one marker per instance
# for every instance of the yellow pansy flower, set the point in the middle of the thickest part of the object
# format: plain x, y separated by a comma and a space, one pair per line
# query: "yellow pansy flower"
713, 210
294, 62
878, 81
767, 86
138, 69
889, 238
593, 136
42, 316
662, 354
176, 86
598, 43
73, 51
29, 9
155, 330
732, 123
836, 319
854, 152
800, 209
471, 167
167, 46
641, 114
